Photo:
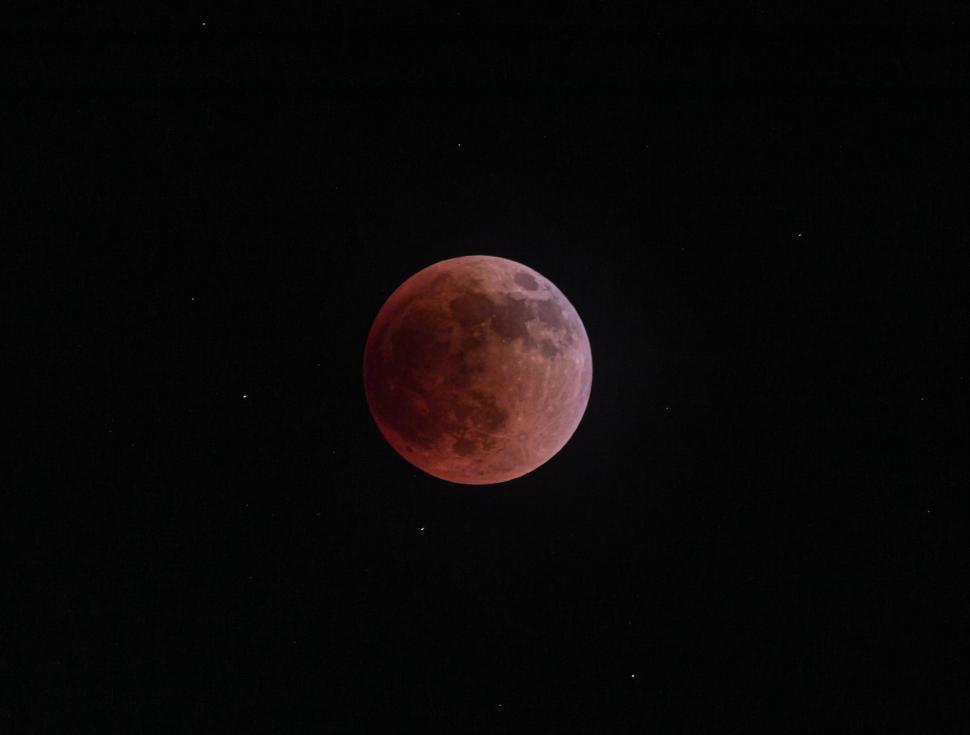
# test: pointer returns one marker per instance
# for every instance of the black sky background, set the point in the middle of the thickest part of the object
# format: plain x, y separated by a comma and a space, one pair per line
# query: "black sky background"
755, 525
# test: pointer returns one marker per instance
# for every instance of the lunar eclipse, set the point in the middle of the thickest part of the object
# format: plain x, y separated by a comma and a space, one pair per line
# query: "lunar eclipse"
477, 370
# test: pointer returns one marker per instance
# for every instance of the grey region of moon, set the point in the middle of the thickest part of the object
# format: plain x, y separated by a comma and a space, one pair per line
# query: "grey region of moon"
477, 370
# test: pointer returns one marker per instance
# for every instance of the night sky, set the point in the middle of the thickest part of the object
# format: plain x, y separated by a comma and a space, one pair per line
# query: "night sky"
757, 524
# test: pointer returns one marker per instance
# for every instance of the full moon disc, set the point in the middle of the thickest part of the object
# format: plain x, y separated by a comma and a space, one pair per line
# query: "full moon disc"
477, 370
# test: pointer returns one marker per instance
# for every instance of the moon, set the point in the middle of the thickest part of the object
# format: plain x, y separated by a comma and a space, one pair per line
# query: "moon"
477, 370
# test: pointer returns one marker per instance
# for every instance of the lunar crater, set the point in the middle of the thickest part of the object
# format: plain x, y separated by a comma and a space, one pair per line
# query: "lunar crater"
526, 281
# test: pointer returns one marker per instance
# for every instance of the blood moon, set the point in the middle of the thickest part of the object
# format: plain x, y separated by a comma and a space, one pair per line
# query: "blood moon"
477, 370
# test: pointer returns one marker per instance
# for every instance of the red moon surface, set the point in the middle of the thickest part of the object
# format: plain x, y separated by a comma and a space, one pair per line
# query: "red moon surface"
477, 370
